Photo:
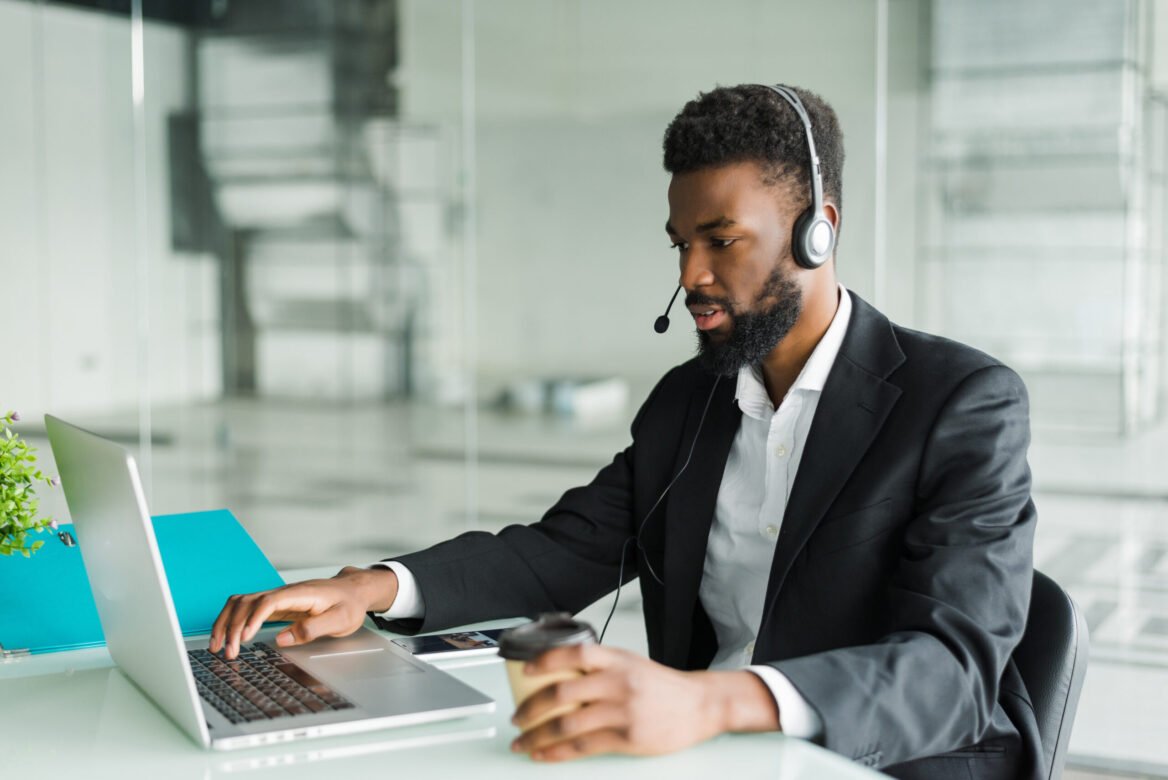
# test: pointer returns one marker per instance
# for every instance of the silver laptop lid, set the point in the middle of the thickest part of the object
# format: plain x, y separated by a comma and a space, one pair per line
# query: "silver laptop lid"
116, 537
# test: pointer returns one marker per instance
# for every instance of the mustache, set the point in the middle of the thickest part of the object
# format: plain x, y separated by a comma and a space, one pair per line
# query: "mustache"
696, 298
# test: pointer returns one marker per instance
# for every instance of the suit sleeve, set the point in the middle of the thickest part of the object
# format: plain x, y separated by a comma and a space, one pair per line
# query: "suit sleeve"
563, 563
958, 600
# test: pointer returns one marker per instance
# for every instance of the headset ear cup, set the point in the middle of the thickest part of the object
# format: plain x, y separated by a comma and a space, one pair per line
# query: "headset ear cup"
802, 239
799, 239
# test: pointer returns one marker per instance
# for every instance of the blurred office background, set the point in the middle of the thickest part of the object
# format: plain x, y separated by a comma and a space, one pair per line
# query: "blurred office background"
374, 272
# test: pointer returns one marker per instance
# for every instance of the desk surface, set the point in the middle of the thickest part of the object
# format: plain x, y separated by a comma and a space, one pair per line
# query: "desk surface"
73, 713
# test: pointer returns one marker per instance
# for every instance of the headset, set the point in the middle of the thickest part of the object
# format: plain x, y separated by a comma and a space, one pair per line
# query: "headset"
813, 236
812, 243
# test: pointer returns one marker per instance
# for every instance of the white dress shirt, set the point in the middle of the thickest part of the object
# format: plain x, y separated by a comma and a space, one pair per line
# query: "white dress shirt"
752, 499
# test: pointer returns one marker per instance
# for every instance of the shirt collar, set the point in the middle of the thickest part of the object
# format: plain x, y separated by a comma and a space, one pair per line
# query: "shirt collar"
751, 394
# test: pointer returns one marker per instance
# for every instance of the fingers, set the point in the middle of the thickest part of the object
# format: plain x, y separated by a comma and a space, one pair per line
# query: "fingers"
219, 627
248, 615
334, 621
243, 615
595, 743
352, 590
590, 688
586, 657
269, 606
631, 705
584, 730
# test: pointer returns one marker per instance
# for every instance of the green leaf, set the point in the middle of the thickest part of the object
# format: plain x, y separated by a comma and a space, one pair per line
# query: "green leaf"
19, 508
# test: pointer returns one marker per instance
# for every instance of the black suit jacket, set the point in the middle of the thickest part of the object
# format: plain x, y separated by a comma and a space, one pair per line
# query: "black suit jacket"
901, 577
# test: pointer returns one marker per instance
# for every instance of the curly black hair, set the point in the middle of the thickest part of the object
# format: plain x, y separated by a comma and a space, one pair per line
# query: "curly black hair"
750, 123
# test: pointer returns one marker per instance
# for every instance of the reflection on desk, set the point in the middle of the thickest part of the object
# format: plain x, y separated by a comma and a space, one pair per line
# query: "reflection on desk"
80, 716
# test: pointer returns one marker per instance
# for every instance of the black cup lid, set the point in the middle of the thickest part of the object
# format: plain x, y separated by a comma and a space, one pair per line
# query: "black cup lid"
554, 629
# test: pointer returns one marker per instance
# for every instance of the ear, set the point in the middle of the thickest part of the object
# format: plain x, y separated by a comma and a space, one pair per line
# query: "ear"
832, 213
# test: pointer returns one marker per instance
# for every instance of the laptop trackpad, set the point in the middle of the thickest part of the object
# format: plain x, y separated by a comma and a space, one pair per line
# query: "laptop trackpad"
361, 665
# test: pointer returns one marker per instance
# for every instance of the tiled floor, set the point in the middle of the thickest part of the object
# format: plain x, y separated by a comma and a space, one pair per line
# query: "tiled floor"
333, 484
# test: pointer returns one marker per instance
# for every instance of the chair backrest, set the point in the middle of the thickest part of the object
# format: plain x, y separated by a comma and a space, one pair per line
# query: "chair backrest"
1052, 659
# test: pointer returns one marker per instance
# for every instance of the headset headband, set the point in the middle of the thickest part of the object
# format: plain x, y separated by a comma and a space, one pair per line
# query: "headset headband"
813, 237
789, 95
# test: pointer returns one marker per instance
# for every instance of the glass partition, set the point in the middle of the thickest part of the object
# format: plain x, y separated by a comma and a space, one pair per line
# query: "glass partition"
1032, 214
77, 206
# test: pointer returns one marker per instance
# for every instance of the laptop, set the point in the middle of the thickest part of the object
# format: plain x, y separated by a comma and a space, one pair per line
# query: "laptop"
330, 686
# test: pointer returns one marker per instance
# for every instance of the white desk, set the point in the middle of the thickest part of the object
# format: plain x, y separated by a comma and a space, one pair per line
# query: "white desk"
73, 714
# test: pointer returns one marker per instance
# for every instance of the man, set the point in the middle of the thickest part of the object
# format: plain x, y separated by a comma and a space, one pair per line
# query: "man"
829, 515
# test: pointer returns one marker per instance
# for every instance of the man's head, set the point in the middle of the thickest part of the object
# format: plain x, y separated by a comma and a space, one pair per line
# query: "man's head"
741, 177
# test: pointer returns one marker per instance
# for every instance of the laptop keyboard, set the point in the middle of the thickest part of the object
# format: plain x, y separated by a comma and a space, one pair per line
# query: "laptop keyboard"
260, 684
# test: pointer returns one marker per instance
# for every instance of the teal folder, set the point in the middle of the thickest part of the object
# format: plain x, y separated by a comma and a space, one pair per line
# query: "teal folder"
46, 604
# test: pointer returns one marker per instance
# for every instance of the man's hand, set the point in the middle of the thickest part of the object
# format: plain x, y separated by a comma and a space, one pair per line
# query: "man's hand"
629, 704
332, 607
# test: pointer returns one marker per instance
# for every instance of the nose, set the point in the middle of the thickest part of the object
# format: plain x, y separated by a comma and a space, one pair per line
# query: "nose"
695, 270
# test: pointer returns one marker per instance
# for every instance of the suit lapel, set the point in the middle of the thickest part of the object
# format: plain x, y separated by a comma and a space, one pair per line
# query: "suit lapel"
856, 401
689, 511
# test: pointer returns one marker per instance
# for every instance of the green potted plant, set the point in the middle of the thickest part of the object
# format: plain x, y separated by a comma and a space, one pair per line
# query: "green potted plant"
18, 503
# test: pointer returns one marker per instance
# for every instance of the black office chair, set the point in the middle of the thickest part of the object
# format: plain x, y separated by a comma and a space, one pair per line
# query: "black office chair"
1052, 659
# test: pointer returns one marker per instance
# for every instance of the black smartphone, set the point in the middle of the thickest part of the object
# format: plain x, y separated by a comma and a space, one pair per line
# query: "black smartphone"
463, 643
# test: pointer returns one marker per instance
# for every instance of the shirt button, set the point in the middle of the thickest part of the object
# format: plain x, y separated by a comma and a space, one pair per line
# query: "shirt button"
780, 451
750, 650
772, 532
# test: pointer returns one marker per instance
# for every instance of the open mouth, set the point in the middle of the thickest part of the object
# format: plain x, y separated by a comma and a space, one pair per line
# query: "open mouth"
707, 318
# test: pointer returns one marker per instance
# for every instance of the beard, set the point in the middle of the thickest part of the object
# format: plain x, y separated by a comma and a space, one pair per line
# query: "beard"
754, 333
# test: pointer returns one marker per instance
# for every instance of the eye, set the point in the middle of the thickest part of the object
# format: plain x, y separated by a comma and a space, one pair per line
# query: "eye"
722, 243
681, 246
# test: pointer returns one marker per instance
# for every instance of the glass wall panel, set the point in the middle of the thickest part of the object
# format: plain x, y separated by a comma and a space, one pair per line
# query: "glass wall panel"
1035, 197
74, 224
327, 223
572, 265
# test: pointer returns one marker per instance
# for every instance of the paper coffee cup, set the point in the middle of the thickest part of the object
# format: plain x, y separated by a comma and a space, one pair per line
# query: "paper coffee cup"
525, 643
